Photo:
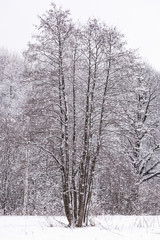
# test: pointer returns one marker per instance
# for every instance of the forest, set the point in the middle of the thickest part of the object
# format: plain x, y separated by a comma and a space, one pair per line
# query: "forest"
80, 128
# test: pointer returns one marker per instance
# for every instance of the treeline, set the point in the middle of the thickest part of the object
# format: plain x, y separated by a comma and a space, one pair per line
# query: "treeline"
79, 124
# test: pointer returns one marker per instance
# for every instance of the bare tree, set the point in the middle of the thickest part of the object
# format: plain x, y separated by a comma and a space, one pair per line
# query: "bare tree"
75, 71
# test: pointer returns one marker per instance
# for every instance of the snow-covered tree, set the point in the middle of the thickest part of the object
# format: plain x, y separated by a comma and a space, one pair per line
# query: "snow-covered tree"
75, 73
141, 121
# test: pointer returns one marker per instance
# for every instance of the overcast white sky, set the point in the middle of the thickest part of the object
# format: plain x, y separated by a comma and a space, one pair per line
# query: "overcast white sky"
139, 20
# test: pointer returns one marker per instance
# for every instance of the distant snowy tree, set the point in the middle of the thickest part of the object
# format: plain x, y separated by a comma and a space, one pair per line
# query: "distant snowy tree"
12, 100
141, 121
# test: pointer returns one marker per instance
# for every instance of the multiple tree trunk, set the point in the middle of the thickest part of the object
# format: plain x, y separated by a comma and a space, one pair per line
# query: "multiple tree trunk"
86, 65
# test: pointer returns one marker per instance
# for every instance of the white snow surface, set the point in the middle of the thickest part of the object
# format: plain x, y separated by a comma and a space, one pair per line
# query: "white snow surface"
55, 228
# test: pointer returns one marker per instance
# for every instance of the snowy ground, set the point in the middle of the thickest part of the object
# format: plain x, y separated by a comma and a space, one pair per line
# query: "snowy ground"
55, 228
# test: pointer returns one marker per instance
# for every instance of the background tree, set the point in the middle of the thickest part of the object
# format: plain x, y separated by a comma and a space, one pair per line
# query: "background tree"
140, 106
11, 72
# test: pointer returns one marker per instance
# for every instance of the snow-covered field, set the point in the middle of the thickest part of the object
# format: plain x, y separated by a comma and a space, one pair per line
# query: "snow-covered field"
55, 228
